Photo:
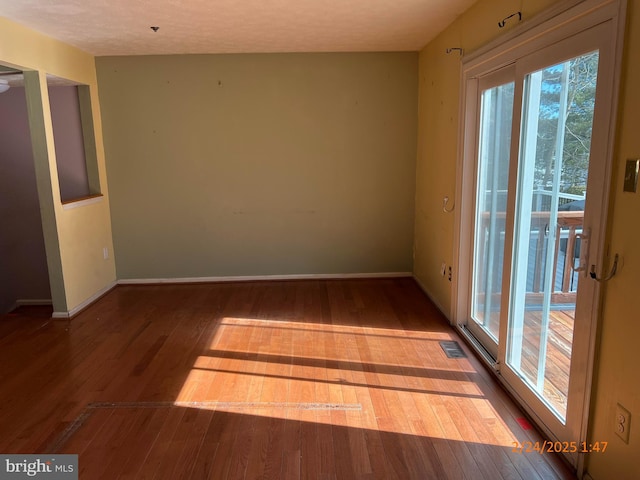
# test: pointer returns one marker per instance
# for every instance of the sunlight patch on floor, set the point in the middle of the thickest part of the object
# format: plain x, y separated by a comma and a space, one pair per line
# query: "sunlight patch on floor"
391, 380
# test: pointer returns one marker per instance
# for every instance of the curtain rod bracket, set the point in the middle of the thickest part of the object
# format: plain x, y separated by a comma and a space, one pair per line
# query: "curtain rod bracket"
504, 20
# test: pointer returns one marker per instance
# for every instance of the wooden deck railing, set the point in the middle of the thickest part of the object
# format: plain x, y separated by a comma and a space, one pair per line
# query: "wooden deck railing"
569, 223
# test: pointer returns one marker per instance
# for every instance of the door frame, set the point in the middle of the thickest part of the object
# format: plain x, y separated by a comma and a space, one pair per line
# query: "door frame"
558, 23
501, 76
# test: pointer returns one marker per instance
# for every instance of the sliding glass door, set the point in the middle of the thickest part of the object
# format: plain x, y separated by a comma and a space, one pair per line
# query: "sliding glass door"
494, 143
537, 142
555, 145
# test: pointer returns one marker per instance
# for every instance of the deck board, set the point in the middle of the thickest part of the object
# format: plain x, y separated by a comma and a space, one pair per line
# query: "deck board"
556, 383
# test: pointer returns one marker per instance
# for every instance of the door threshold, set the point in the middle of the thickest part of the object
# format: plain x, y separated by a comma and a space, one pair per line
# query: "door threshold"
481, 352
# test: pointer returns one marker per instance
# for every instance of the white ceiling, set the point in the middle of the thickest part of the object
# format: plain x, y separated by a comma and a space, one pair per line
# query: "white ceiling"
122, 27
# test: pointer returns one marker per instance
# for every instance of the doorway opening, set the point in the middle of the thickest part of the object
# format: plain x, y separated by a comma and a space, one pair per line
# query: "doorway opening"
24, 278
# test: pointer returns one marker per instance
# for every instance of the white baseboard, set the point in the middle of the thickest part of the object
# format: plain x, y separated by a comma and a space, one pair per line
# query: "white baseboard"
74, 311
253, 278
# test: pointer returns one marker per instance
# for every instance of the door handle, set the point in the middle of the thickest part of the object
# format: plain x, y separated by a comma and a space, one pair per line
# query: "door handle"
584, 251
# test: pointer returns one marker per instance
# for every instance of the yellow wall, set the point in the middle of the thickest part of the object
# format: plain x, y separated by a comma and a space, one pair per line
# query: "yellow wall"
83, 232
320, 190
438, 112
272, 164
617, 377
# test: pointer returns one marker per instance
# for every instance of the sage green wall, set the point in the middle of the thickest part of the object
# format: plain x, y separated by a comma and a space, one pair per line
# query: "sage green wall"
617, 378
265, 164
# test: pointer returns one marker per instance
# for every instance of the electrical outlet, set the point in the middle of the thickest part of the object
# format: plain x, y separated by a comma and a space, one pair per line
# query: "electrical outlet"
622, 423
443, 269
105, 253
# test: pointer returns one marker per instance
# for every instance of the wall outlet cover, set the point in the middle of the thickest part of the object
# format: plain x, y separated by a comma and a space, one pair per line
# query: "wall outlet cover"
622, 423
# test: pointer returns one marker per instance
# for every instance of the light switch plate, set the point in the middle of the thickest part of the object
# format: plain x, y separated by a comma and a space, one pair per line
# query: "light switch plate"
631, 175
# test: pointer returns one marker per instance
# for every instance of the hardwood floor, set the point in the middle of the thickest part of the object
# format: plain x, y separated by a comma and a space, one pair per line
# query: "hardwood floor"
275, 380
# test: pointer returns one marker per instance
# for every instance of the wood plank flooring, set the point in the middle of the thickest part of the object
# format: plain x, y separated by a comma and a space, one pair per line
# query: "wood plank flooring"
337, 379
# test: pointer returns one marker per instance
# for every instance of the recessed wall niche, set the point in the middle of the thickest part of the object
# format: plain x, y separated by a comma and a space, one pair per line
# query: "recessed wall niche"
74, 139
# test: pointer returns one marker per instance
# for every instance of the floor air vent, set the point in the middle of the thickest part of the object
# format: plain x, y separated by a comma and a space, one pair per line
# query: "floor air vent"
452, 349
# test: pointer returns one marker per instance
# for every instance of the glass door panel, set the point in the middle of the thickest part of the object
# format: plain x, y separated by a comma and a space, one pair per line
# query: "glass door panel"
536, 163
557, 120
496, 114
